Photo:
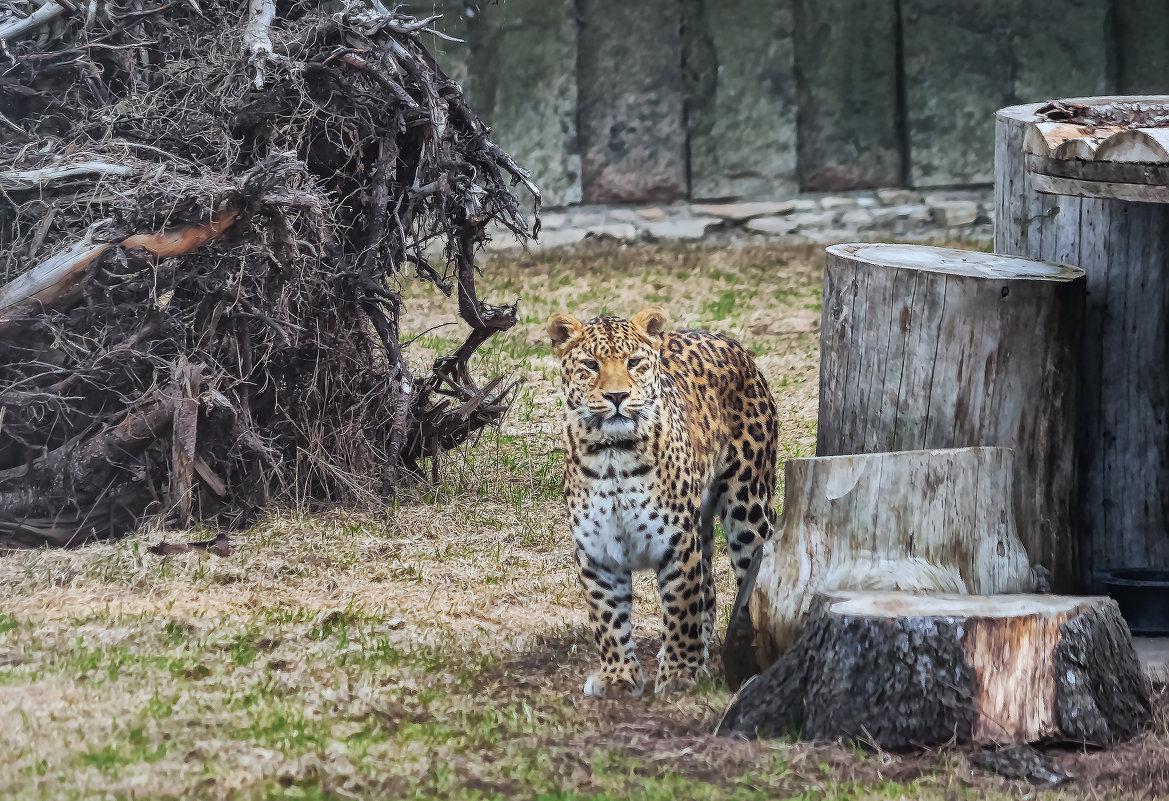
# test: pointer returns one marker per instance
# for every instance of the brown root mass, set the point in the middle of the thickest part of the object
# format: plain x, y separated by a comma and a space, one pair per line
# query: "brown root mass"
206, 212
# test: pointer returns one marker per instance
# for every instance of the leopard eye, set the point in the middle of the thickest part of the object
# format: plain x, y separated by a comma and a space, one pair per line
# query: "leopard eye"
635, 360
589, 364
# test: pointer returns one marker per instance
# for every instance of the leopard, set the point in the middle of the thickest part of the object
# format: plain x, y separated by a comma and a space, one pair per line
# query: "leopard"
662, 430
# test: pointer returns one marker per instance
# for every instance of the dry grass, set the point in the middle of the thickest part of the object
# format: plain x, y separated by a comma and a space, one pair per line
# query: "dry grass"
436, 650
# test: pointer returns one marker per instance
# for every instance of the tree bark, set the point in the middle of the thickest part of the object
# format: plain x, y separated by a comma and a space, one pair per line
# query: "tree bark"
937, 521
899, 671
1122, 433
927, 347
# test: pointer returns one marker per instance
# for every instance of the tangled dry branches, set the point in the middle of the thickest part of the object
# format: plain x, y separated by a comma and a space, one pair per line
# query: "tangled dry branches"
206, 211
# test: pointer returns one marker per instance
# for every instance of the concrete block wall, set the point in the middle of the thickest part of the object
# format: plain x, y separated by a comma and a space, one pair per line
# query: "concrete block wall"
631, 101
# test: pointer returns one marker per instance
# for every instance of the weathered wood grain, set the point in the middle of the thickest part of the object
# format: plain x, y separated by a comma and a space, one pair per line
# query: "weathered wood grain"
927, 347
898, 670
1111, 190
1117, 172
1122, 439
939, 520
1144, 146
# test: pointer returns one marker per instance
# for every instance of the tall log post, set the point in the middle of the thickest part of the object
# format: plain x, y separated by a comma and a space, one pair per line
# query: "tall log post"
937, 521
1122, 438
926, 347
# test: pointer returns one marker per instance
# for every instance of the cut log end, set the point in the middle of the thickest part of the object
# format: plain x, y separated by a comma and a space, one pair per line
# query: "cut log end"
899, 671
949, 261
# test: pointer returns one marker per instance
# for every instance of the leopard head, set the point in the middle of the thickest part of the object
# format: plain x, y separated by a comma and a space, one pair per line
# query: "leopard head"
610, 369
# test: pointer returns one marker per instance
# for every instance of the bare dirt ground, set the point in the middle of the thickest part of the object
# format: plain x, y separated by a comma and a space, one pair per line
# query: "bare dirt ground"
436, 649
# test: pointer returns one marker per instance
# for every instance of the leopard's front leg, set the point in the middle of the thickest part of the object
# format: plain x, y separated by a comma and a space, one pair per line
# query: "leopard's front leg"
609, 596
686, 588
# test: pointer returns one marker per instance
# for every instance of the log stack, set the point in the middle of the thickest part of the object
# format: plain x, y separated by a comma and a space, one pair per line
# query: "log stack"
926, 347
892, 606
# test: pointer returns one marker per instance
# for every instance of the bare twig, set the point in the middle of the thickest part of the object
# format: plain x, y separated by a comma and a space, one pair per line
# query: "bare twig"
17, 180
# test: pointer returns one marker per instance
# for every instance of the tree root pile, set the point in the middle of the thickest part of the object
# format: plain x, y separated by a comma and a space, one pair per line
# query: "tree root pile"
207, 211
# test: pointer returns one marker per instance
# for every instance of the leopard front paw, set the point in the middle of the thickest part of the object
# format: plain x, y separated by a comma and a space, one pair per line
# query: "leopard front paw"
676, 679
615, 682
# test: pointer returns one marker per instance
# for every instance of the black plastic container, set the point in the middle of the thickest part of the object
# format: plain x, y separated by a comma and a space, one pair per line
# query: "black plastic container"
1143, 597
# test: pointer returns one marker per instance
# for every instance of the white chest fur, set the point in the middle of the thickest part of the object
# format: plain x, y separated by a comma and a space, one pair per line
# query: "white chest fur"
617, 522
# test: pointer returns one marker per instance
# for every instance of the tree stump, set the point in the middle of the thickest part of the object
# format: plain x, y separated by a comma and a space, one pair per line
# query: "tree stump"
898, 670
937, 520
926, 347
1122, 433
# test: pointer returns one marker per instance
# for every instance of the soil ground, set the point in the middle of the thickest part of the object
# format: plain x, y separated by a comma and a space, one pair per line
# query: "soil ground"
436, 649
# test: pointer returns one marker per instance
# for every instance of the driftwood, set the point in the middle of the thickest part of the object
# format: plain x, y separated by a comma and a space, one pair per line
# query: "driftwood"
1122, 246
898, 671
911, 520
206, 216
928, 347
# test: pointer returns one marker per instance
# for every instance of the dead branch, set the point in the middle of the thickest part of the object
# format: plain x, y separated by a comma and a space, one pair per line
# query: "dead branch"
17, 27
47, 283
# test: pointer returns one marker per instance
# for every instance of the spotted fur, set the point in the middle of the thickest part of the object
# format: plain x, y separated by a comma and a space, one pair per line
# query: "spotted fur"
662, 431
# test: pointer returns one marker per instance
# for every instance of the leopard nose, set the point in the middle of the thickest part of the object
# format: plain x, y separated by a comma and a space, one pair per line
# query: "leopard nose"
615, 398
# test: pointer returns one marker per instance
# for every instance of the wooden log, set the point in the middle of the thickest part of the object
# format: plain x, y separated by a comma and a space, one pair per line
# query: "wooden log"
1122, 433
937, 520
57, 277
1144, 146
899, 670
927, 347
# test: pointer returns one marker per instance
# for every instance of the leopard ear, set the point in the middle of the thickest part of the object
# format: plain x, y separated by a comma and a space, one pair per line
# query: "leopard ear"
651, 320
562, 330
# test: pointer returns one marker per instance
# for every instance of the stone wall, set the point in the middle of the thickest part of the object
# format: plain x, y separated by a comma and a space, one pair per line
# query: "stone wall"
628, 101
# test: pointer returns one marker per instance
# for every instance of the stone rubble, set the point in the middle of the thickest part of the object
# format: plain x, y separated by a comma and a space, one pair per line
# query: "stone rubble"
962, 215
740, 212
955, 212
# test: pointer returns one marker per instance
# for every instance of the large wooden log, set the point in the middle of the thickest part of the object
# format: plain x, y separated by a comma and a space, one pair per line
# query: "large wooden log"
926, 347
899, 670
911, 520
1122, 434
